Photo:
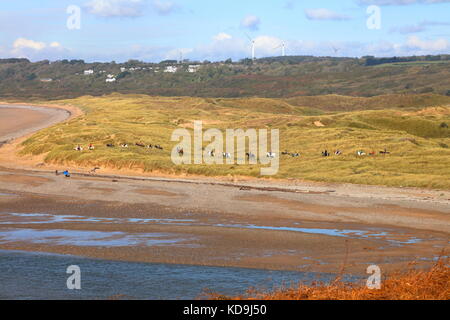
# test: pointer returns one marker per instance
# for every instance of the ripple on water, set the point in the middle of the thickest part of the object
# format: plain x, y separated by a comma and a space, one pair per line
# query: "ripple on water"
87, 238
44, 218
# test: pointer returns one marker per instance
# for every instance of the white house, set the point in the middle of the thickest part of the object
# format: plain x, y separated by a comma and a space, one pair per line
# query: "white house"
88, 72
171, 69
193, 68
110, 78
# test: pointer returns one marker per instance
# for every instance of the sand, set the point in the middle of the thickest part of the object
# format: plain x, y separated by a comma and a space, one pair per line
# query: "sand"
222, 213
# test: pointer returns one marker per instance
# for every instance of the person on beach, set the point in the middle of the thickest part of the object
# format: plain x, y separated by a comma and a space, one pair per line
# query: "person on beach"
66, 174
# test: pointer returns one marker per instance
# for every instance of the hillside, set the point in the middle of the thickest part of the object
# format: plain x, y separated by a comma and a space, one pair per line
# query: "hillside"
414, 129
279, 77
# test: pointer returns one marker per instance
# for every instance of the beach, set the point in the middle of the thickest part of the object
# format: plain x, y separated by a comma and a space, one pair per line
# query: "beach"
249, 223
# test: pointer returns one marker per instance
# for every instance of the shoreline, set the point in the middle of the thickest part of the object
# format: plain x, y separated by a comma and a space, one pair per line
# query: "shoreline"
263, 216
10, 159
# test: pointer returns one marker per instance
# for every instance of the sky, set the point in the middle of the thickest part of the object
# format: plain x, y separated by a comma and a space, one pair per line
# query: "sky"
155, 30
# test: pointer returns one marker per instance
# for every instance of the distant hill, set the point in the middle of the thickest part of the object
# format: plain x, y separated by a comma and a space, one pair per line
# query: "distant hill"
275, 77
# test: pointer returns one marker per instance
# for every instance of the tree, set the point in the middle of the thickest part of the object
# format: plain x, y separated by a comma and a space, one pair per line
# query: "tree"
31, 76
123, 75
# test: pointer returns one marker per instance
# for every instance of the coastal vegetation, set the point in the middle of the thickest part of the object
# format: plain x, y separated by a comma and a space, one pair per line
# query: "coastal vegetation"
412, 128
415, 284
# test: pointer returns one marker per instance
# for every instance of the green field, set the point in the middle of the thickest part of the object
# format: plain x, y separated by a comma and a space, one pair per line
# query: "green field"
414, 128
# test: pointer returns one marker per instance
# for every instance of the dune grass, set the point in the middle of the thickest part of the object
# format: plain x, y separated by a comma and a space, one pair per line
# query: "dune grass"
432, 284
418, 137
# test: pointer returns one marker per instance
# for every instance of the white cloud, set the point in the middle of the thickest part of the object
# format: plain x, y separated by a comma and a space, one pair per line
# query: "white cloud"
222, 36
324, 14
55, 44
22, 43
437, 45
399, 2
164, 7
35, 50
251, 22
115, 8
420, 27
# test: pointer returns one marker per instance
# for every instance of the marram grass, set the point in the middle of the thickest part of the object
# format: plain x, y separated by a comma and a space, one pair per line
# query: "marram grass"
417, 137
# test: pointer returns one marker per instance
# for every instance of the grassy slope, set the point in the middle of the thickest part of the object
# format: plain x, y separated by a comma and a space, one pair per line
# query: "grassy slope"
408, 126
273, 78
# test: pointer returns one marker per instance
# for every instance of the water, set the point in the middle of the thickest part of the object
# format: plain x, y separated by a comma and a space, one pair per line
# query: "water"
43, 276
87, 238
45, 218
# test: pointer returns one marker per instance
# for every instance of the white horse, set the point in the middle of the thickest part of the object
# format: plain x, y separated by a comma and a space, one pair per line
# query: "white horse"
271, 155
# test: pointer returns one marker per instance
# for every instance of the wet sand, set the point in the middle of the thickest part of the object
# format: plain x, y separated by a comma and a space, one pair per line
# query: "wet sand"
285, 225
19, 120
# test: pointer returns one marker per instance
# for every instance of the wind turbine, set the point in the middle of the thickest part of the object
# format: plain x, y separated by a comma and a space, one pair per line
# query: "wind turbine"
283, 49
335, 49
253, 46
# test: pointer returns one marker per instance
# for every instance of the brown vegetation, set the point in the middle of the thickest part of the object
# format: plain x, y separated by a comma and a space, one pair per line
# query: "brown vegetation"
433, 284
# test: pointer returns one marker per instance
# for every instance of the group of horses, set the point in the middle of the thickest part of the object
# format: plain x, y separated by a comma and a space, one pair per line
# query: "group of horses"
80, 148
227, 155
359, 153
137, 144
292, 154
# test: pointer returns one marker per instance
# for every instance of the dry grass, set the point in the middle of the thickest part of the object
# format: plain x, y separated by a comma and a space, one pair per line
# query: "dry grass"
432, 284
419, 145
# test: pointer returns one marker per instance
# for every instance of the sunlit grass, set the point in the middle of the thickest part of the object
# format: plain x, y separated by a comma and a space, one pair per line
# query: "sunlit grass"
416, 137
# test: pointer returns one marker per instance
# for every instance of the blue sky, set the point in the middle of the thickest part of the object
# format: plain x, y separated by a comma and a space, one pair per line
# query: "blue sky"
153, 30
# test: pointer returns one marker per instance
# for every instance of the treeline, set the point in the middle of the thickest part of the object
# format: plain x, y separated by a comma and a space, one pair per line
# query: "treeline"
372, 61
275, 77
14, 60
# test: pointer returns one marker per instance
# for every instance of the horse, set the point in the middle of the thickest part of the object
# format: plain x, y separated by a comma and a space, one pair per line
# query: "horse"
124, 145
140, 145
250, 155
271, 155
295, 155
360, 153
110, 145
